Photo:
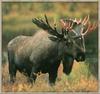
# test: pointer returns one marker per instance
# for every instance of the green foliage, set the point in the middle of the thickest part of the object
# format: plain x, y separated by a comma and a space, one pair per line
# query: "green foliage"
6, 8
47, 7
73, 7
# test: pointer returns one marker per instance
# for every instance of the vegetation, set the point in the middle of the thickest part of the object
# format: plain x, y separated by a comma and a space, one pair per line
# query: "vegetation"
79, 80
17, 20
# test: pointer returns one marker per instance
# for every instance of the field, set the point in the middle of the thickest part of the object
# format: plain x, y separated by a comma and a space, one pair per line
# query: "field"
17, 20
79, 80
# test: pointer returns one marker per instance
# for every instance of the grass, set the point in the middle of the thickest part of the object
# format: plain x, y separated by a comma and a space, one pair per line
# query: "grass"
78, 80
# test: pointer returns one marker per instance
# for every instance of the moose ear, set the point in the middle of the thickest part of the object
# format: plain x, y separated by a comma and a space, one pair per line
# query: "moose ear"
53, 38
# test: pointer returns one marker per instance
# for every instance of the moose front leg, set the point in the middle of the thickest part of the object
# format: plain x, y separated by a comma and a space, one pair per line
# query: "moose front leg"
33, 75
52, 78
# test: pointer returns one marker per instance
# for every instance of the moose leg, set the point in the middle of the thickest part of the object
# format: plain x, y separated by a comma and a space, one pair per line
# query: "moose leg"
12, 67
33, 75
32, 78
53, 72
52, 78
12, 72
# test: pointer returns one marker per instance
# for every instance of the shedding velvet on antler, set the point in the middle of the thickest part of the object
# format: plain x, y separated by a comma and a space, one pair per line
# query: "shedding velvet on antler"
90, 27
85, 23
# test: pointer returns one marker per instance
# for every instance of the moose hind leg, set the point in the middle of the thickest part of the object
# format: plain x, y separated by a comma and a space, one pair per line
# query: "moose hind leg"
12, 68
12, 72
33, 75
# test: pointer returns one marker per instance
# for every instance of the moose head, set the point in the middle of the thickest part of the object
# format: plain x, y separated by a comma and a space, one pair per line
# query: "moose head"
76, 30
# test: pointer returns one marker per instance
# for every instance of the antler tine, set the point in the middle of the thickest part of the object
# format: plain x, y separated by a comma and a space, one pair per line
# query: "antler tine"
93, 26
72, 25
64, 27
46, 19
75, 20
90, 28
68, 25
80, 20
85, 20
63, 23
55, 25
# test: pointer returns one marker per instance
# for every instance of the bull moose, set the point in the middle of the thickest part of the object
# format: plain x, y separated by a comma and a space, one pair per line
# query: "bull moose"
44, 51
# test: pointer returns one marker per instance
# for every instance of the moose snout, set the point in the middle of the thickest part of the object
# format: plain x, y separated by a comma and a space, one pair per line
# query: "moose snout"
80, 57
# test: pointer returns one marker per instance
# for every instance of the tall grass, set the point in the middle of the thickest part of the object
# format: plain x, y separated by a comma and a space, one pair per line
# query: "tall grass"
78, 80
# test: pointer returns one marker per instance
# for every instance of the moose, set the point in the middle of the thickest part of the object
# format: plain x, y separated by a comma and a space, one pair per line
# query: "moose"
44, 51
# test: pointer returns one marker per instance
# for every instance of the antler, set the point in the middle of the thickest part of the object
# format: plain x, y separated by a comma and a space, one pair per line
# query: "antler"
69, 24
90, 26
46, 26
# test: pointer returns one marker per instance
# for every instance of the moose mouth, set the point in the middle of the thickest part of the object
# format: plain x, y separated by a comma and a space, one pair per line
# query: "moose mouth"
80, 57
